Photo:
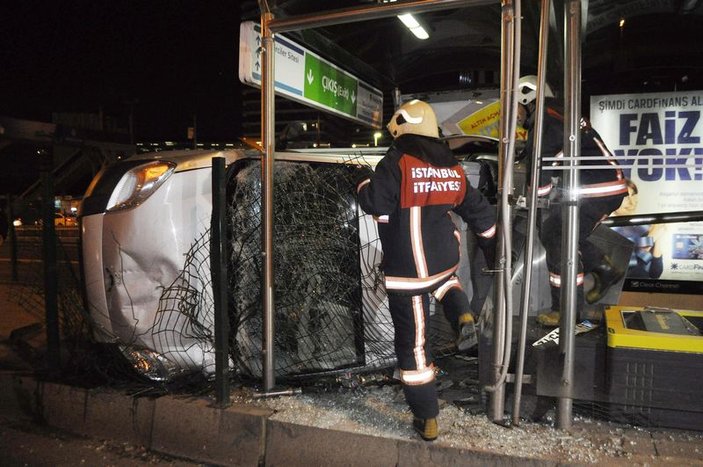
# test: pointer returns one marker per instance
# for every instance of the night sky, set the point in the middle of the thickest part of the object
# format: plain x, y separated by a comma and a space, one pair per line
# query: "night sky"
173, 59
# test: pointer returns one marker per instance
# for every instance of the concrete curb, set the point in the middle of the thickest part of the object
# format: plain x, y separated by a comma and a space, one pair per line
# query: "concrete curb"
237, 435
192, 428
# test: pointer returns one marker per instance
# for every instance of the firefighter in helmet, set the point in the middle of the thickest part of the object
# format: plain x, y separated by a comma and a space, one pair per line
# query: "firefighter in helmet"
601, 190
410, 194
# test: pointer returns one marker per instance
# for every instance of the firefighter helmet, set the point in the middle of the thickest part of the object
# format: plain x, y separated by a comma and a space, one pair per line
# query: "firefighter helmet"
527, 89
414, 117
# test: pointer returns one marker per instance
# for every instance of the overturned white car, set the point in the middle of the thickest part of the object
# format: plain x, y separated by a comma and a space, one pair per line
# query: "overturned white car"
145, 226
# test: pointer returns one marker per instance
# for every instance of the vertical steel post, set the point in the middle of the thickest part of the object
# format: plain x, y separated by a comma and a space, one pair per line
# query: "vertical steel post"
570, 208
532, 213
267, 140
195, 131
51, 309
396, 98
497, 401
218, 273
12, 238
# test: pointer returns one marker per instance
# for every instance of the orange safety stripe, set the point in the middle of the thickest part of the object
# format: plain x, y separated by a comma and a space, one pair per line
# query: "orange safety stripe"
444, 288
544, 190
417, 377
489, 233
596, 190
362, 184
419, 341
416, 241
412, 283
555, 279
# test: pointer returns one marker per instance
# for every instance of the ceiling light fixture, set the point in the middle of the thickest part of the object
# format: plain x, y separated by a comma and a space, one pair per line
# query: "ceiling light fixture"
411, 23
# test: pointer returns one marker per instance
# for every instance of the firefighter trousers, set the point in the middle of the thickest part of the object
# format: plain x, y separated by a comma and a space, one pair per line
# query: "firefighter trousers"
592, 211
454, 301
410, 316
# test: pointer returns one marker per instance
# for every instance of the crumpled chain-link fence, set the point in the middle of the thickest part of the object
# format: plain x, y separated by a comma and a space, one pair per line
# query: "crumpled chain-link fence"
329, 307
28, 292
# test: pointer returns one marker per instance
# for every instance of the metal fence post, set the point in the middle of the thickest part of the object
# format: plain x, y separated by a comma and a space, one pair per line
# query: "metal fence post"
53, 357
570, 209
12, 238
218, 268
268, 125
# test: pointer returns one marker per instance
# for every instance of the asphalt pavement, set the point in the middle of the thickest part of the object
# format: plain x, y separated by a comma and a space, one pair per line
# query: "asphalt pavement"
24, 443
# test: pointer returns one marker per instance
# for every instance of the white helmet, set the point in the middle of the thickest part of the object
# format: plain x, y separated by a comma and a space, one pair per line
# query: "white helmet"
415, 117
527, 89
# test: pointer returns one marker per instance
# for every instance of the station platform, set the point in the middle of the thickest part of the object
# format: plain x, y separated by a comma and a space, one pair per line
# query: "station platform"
358, 422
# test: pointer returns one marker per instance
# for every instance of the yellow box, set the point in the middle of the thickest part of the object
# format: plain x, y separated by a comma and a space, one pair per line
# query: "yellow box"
653, 328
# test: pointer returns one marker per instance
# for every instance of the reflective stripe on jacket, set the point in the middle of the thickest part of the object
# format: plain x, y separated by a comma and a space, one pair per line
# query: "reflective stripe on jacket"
412, 190
598, 182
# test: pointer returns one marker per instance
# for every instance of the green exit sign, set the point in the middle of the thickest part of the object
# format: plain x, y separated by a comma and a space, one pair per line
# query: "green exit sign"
304, 76
329, 85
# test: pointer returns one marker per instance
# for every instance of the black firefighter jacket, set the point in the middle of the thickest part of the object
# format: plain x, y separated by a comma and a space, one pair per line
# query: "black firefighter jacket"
410, 195
594, 183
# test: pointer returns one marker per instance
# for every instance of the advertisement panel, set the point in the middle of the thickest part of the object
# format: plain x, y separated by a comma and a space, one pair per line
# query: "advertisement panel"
486, 122
657, 140
470, 112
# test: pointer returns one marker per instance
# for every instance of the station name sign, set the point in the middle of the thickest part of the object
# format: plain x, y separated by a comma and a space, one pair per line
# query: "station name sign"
306, 77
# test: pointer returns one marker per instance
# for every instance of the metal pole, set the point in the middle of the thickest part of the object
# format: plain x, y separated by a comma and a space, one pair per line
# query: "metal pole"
195, 131
497, 388
131, 121
532, 213
12, 238
53, 358
267, 139
269, 25
396, 98
659, 218
218, 271
570, 208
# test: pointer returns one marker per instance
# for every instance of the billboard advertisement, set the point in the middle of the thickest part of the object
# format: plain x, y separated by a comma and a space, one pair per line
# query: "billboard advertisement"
657, 139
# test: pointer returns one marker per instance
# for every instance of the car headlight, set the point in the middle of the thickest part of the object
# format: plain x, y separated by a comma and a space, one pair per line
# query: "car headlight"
137, 184
151, 364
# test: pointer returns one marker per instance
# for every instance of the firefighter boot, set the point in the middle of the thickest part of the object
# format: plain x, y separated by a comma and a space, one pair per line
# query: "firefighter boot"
468, 335
604, 277
426, 427
549, 318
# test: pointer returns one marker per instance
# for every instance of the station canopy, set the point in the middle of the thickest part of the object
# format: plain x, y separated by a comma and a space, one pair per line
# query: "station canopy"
629, 46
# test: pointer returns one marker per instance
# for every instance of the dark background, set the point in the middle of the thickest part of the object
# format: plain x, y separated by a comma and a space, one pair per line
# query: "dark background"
165, 60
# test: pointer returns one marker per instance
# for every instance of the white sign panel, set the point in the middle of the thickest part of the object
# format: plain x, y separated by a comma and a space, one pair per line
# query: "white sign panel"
657, 139
310, 79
